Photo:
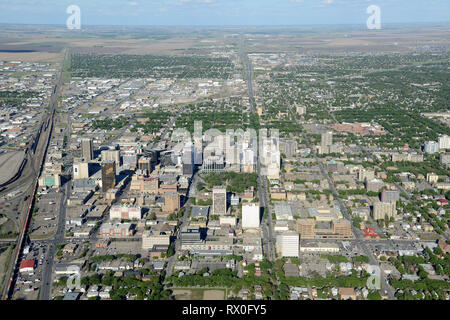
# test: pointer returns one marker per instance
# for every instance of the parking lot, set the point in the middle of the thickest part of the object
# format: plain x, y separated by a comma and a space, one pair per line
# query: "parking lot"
122, 247
28, 283
210, 264
45, 218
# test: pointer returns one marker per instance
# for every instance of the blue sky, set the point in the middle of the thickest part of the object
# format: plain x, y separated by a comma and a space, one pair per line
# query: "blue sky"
222, 12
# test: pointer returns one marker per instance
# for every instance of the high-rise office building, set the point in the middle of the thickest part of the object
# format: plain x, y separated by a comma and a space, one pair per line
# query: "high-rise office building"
306, 228
288, 147
152, 154
248, 161
250, 216
390, 196
80, 170
129, 159
171, 201
145, 165
111, 155
342, 228
444, 142
188, 160
87, 149
431, 147
198, 147
108, 175
383, 209
327, 140
270, 156
219, 201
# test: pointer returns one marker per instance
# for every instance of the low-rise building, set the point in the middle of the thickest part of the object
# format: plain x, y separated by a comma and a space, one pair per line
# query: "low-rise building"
125, 212
283, 211
288, 244
151, 239
347, 293
110, 230
27, 266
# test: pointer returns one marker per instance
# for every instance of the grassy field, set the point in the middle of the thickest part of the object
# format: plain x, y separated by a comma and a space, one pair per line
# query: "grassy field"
8, 229
429, 236
66, 73
5, 257
42, 236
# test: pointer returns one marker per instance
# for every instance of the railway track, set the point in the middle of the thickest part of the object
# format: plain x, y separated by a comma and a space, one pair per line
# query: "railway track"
38, 164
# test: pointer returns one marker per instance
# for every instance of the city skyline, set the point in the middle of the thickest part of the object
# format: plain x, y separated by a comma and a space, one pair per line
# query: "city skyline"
284, 155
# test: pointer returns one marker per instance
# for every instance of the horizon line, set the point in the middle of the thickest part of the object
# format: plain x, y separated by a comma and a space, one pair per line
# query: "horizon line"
231, 25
